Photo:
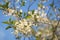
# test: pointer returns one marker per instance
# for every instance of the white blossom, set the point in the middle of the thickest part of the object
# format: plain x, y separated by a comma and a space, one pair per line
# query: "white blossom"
15, 32
43, 6
10, 10
29, 12
39, 8
36, 11
38, 33
21, 10
24, 26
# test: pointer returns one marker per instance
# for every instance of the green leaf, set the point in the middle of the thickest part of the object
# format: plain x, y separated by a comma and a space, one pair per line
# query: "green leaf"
32, 11
8, 27
19, 15
6, 22
38, 38
9, 22
1, 5
5, 6
23, 3
29, 16
52, 4
18, 37
40, 5
9, 19
33, 32
35, 18
13, 22
24, 14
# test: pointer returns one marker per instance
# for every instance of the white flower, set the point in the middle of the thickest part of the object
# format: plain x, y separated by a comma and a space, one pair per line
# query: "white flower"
14, 15
28, 29
43, 14
36, 11
10, 10
4, 12
43, 6
39, 8
21, 10
9, 14
16, 23
39, 12
20, 25
37, 16
30, 24
25, 23
29, 12
16, 32
38, 33
58, 16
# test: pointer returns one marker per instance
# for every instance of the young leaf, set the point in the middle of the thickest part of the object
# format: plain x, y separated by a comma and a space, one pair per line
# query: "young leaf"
35, 18
19, 15
52, 5
29, 16
6, 22
23, 3
9, 19
40, 5
32, 11
18, 37
13, 22
5, 6
24, 14
38, 38
8, 27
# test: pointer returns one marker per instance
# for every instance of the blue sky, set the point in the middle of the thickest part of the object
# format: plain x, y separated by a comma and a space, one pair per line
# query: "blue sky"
6, 34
